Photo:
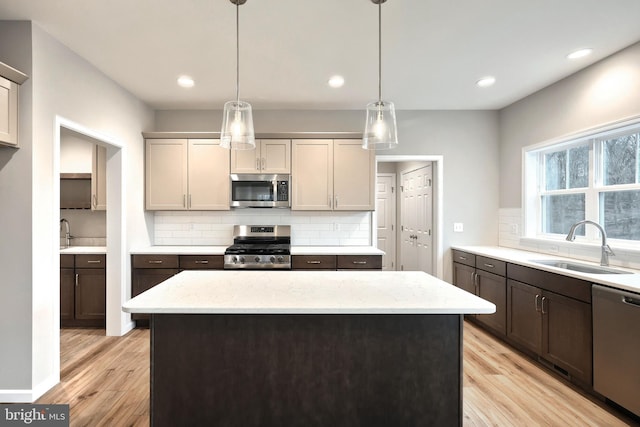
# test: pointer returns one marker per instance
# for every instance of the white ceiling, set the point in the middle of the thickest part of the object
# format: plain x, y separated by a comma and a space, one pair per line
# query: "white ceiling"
433, 50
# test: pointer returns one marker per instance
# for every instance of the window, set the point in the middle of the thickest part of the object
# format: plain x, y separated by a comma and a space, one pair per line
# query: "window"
594, 177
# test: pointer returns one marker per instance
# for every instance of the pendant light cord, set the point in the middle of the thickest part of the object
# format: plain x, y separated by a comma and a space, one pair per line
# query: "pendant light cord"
380, 52
238, 52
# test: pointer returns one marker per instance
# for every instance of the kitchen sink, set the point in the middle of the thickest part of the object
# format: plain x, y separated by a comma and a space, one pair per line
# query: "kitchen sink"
577, 266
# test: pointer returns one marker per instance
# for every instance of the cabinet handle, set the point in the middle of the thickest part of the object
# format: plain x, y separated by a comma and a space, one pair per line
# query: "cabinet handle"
184, 200
336, 201
313, 262
204, 261
189, 206
543, 300
77, 279
263, 162
95, 200
330, 202
476, 282
94, 261
463, 258
360, 262
538, 303
257, 163
631, 301
155, 261
489, 265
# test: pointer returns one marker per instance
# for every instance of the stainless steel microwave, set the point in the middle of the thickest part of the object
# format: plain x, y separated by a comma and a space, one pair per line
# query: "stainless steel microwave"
260, 191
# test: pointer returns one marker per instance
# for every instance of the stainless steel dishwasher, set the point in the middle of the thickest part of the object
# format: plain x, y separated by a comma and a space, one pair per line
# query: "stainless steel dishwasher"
616, 346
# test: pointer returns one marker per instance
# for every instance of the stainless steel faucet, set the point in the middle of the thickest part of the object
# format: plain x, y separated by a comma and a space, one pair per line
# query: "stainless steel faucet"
67, 234
606, 249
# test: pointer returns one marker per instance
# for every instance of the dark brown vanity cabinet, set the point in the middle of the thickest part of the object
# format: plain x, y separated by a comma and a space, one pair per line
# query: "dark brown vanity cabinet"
550, 315
83, 287
484, 277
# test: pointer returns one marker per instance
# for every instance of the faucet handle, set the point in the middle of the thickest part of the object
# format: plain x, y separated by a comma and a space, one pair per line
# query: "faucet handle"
608, 250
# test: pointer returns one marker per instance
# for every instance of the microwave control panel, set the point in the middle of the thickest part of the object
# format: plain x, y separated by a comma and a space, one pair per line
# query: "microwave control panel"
283, 191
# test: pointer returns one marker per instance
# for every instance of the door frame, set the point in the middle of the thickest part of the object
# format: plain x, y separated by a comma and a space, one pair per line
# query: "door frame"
392, 175
438, 185
116, 321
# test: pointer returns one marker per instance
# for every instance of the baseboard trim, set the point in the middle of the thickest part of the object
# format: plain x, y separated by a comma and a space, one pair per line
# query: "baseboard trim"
28, 396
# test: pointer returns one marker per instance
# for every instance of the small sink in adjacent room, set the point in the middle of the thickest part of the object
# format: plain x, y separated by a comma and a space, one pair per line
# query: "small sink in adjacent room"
580, 267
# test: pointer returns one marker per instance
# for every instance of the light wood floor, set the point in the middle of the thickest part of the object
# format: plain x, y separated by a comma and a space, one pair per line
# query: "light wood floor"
105, 380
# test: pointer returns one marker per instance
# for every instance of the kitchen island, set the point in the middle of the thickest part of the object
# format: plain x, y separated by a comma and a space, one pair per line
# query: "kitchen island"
251, 348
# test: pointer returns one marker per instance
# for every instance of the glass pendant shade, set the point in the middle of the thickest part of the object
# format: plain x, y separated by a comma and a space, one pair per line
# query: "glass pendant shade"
237, 126
380, 132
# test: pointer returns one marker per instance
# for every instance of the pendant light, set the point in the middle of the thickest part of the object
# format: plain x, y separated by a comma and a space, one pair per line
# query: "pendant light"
380, 130
237, 121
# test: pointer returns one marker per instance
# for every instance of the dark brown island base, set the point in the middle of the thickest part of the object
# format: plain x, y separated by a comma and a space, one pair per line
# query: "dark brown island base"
306, 348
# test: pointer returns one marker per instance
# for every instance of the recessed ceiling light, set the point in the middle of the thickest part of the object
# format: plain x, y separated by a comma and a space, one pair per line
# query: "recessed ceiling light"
486, 81
185, 81
336, 81
580, 53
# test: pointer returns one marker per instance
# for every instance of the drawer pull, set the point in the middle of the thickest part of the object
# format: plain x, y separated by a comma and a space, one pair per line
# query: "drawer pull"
155, 261
360, 262
631, 301
489, 265
93, 261
463, 258
204, 261
538, 303
313, 262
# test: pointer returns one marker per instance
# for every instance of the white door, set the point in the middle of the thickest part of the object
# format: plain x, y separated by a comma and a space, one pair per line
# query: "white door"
386, 215
417, 220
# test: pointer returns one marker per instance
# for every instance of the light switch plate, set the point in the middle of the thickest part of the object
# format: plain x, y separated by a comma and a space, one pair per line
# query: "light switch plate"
458, 227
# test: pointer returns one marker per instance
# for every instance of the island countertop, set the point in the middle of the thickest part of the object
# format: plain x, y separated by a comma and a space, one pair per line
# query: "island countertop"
306, 292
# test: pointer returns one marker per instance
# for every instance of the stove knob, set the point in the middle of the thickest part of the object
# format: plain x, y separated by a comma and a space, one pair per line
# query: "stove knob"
234, 259
280, 259
257, 259
242, 260
272, 259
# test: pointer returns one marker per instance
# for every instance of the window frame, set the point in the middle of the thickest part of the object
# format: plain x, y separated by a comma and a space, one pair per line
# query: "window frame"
534, 188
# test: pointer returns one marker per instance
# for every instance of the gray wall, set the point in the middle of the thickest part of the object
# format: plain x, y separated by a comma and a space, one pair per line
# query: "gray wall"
61, 84
468, 141
15, 216
605, 92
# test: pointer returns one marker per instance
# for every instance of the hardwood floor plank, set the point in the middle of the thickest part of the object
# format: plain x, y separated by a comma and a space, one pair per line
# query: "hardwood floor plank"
105, 380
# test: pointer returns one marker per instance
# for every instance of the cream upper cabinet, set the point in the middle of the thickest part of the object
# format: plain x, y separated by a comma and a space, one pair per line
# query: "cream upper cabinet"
312, 174
332, 175
208, 175
99, 178
269, 156
186, 174
8, 112
353, 176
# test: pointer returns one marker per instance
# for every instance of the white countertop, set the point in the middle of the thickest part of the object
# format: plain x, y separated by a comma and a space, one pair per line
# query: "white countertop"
80, 250
295, 250
628, 282
306, 292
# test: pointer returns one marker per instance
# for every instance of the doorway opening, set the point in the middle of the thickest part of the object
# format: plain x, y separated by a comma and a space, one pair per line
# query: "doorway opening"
116, 322
409, 213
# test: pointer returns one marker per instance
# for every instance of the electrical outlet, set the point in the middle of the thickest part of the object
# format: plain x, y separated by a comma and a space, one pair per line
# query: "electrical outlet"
514, 228
458, 227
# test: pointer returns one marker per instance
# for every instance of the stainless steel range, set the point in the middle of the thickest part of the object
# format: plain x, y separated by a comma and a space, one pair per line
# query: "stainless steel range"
259, 247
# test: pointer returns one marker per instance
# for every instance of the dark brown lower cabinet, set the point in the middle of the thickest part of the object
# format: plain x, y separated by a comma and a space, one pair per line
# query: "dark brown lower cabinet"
555, 327
336, 262
492, 287
83, 288
146, 278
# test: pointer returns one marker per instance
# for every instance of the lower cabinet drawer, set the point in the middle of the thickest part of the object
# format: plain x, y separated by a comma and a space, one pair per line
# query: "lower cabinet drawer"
202, 262
367, 262
91, 261
155, 261
313, 262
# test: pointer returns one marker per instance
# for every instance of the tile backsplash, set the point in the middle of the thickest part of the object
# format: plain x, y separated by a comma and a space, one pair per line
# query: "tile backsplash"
201, 228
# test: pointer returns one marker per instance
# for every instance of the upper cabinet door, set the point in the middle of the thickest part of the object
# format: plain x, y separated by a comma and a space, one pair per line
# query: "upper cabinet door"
166, 174
8, 112
208, 175
312, 174
99, 179
246, 161
353, 176
275, 156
